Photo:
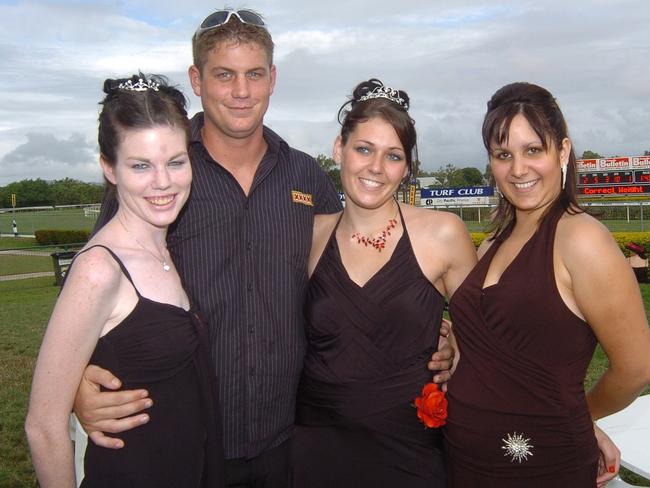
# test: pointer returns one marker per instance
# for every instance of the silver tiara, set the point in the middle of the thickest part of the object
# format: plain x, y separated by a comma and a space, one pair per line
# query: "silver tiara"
386, 92
140, 86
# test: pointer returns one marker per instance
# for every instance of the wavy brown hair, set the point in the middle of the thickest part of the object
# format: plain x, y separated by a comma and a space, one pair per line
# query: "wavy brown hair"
543, 113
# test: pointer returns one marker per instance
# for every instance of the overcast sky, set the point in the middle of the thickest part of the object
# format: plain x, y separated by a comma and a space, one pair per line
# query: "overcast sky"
450, 56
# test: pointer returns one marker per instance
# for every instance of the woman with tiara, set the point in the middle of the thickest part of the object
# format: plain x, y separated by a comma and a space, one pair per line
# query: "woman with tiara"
380, 272
123, 307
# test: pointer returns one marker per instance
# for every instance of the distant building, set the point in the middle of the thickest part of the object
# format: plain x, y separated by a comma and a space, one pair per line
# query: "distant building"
427, 181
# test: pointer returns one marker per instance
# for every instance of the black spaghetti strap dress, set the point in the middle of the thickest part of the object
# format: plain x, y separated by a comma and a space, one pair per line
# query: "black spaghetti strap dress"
163, 348
517, 410
368, 348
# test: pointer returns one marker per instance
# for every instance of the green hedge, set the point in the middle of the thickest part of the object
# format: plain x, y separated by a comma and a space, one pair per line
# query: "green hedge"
477, 238
621, 238
49, 237
641, 238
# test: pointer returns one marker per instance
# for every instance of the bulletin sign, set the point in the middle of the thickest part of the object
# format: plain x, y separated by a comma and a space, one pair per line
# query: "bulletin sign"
614, 176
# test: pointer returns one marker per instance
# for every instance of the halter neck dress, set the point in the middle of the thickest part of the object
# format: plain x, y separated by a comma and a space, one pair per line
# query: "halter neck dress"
368, 348
163, 348
518, 416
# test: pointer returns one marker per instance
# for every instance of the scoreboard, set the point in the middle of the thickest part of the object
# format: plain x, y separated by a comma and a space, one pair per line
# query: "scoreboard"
605, 178
614, 176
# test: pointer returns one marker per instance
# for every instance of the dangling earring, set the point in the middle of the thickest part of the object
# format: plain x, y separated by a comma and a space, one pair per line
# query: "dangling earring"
564, 171
496, 188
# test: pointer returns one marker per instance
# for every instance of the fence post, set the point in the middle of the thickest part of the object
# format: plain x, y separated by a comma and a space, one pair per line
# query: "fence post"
641, 205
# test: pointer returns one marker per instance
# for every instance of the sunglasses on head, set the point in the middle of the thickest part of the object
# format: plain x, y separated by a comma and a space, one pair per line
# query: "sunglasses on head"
221, 17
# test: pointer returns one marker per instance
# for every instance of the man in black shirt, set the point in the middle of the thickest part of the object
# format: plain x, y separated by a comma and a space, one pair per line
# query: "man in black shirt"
241, 246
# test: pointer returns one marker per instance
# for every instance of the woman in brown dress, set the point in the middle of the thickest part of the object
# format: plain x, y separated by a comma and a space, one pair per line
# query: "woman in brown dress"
550, 284
379, 274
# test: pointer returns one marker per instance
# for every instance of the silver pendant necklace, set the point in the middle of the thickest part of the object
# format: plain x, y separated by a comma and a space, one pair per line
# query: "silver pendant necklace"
161, 258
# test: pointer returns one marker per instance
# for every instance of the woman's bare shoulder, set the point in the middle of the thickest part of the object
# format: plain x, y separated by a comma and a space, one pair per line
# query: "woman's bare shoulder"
95, 267
433, 223
324, 224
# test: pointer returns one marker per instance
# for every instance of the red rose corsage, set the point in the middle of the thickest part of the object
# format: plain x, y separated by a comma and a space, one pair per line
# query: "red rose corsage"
431, 406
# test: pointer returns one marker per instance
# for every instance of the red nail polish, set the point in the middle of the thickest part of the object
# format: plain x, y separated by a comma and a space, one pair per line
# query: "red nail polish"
612, 469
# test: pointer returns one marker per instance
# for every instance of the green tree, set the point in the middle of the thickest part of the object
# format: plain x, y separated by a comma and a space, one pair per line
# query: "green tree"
590, 155
487, 174
68, 191
449, 176
646, 153
472, 176
326, 162
332, 170
29, 193
73, 192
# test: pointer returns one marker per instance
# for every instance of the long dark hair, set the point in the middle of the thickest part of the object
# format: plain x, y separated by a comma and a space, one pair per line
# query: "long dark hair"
393, 109
543, 114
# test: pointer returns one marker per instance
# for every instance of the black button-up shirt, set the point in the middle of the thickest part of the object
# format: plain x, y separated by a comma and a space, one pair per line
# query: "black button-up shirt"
243, 260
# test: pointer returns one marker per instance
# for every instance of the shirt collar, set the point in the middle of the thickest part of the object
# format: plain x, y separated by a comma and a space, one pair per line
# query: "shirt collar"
274, 141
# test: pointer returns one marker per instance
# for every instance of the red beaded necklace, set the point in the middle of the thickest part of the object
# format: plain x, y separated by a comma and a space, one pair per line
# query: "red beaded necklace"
378, 242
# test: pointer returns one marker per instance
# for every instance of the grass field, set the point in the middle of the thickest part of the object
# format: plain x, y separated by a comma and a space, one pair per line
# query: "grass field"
40, 260
28, 222
25, 307
74, 219
10, 265
17, 242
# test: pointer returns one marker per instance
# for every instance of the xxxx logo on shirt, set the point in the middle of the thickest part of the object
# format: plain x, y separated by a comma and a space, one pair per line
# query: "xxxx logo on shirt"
304, 198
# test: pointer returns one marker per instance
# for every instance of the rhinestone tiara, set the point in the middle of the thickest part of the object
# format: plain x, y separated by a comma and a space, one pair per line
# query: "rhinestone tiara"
140, 86
386, 92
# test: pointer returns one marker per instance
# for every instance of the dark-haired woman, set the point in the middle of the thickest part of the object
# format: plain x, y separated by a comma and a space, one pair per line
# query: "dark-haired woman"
528, 317
123, 307
379, 274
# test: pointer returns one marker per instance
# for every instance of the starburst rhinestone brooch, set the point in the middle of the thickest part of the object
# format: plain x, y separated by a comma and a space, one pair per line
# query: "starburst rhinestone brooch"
517, 447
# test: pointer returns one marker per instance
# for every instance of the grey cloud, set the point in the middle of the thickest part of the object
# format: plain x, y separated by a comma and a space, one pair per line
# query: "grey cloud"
449, 56
47, 157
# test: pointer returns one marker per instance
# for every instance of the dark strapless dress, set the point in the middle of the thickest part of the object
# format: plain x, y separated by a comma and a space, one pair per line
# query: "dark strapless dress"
368, 348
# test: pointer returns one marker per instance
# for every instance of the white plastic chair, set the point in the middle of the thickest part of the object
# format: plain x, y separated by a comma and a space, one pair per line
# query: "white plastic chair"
630, 430
80, 439
618, 483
